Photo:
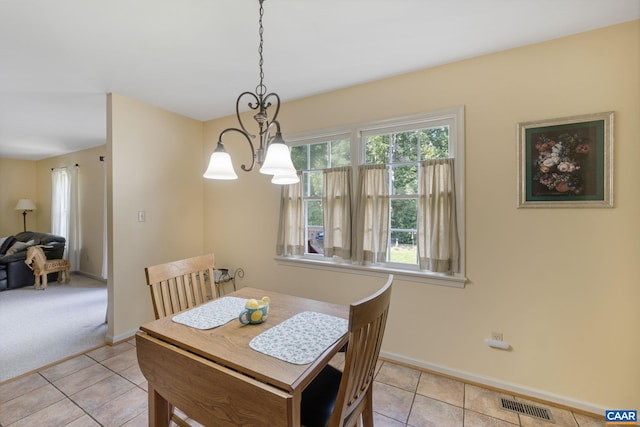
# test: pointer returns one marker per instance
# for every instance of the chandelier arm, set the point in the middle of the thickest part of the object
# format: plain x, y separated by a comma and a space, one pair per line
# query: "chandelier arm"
277, 104
248, 138
252, 106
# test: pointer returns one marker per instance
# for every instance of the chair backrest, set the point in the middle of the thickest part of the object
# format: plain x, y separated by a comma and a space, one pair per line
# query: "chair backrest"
367, 321
179, 285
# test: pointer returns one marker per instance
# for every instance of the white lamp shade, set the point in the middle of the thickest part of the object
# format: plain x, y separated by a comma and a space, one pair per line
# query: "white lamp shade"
220, 166
285, 179
25, 205
278, 161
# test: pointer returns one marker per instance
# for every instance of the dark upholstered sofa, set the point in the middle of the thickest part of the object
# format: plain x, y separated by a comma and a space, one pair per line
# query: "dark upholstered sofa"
14, 273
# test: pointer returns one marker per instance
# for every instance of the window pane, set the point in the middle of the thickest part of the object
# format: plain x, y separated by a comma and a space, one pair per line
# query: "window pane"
314, 213
434, 143
299, 157
315, 183
403, 248
405, 147
315, 240
319, 156
340, 153
404, 179
377, 149
404, 214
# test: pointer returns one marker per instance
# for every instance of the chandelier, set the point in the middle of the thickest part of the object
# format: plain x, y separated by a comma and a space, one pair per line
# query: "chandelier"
272, 154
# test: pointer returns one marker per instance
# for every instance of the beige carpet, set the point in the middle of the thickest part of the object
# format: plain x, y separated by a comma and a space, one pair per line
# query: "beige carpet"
42, 327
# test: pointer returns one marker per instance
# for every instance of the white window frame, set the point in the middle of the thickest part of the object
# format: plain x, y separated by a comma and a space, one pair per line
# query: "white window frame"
451, 116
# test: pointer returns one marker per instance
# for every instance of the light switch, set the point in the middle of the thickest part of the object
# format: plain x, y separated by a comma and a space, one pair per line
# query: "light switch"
141, 216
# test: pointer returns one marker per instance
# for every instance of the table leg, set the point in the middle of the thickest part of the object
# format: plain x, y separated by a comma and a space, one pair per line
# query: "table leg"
158, 409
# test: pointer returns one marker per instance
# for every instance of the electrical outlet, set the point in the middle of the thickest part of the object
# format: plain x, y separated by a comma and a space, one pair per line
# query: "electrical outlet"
496, 336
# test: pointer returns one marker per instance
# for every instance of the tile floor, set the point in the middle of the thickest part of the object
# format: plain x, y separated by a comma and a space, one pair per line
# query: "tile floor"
105, 387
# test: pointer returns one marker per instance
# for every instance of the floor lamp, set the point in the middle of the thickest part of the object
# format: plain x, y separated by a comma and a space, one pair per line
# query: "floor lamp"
25, 205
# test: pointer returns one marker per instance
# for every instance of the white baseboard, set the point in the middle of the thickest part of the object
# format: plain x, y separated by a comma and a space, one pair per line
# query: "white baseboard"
119, 338
89, 275
498, 384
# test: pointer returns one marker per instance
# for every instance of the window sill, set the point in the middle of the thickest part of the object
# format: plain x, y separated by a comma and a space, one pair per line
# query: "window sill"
456, 281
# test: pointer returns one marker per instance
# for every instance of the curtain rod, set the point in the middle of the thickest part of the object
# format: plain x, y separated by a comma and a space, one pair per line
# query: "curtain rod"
64, 167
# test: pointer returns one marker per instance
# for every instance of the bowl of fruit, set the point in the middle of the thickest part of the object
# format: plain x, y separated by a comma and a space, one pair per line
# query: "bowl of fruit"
255, 311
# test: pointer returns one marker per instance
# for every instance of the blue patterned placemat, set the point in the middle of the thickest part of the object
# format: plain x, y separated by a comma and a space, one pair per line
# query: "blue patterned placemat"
212, 314
301, 338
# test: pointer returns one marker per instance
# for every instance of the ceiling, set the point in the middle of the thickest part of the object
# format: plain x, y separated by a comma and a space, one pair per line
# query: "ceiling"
59, 58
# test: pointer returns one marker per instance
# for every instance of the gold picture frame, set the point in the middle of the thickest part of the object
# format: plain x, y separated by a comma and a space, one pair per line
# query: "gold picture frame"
566, 162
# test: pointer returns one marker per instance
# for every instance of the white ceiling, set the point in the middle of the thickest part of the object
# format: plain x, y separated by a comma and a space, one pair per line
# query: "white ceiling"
58, 58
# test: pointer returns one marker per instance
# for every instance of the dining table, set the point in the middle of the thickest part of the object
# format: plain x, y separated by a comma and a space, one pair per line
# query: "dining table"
221, 372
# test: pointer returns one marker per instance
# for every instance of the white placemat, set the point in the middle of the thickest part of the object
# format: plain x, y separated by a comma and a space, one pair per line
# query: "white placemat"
212, 314
301, 338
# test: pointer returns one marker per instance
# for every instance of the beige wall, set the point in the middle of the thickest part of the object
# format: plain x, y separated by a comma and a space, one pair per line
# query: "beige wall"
154, 162
561, 284
91, 176
17, 181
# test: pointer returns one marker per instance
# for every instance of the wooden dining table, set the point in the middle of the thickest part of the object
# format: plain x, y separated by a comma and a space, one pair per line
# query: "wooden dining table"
217, 379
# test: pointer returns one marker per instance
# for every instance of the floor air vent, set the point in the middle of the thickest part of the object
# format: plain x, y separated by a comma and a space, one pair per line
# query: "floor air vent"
526, 409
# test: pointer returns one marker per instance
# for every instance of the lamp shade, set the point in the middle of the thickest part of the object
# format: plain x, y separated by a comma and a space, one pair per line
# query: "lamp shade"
220, 166
25, 205
278, 160
285, 179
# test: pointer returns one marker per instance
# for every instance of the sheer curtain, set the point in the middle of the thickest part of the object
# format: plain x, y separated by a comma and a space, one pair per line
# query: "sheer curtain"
64, 211
336, 212
372, 220
291, 237
438, 244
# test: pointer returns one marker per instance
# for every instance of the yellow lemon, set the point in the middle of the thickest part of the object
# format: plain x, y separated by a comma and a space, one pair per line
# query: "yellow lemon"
252, 303
266, 300
256, 316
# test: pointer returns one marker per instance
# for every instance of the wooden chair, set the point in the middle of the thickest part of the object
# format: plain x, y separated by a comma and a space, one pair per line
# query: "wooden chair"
179, 285
340, 399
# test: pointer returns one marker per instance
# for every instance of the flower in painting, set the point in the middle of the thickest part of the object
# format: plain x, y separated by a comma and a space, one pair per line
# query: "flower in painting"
566, 167
583, 148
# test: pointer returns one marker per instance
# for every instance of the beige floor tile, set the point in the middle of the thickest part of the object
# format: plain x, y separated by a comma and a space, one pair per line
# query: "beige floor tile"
141, 420
82, 379
109, 351
488, 402
427, 412
13, 389
28, 404
561, 417
60, 413
475, 419
84, 421
391, 401
382, 421
134, 374
398, 376
122, 409
96, 395
586, 421
68, 367
441, 388
122, 361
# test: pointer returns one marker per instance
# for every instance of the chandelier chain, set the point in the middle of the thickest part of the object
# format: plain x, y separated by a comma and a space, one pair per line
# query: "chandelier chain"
261, 89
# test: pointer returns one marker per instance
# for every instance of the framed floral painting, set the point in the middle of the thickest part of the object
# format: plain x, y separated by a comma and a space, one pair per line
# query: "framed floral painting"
566, 162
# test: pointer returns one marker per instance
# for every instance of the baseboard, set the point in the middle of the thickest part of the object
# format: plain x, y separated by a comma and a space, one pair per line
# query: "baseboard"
111, 340
543, 396
89, 275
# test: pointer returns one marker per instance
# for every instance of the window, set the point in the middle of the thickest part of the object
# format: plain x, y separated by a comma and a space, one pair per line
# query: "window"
405, 209
311, 159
